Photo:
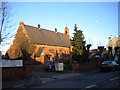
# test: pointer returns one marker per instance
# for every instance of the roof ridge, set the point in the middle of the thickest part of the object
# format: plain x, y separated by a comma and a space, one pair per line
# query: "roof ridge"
47, 37
43, 29
30, 26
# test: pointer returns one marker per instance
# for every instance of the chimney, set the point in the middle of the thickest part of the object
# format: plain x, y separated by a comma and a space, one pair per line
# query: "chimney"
56, 30
39, 26
109, 39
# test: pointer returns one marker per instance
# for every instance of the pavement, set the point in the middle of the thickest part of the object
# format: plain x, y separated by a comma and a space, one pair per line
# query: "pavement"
38, 77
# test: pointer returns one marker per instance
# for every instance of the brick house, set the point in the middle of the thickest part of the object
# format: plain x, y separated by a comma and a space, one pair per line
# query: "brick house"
113, 42
38, 44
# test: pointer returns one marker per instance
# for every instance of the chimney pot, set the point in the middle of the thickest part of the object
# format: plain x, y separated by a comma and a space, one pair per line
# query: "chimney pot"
56, 30
39, 26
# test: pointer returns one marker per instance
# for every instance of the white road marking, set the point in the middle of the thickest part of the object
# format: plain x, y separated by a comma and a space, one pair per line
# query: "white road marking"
90, 86
104, 82
19, 86
114, 78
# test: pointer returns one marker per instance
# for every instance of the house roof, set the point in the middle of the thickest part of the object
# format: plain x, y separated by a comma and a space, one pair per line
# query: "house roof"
47, 37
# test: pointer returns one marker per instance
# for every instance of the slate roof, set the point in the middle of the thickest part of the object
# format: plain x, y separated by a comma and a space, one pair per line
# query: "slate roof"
47, 37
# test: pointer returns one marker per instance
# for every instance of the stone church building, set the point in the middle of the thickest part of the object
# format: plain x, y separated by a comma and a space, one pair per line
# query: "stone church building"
41, 45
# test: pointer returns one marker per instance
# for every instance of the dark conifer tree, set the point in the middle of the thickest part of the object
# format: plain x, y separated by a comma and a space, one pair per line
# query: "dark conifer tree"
77, 41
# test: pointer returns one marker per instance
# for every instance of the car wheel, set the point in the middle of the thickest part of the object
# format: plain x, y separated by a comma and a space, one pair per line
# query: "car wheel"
53, 69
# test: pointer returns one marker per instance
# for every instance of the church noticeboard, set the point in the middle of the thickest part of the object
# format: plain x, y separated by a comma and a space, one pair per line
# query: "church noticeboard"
11, 63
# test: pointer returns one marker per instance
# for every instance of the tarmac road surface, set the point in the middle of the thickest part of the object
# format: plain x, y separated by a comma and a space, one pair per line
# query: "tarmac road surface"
83, 80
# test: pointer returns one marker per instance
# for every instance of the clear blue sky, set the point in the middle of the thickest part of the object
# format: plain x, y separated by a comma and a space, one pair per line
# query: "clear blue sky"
97, 20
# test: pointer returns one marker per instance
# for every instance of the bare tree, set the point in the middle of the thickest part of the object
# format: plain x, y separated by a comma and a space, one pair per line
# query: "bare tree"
5, 21
6, 25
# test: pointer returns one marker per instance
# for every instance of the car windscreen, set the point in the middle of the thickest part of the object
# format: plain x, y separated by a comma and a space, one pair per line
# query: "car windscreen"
107, 62
114, 63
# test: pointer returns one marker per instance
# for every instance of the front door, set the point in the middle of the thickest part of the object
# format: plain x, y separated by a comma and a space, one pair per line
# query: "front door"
46, 58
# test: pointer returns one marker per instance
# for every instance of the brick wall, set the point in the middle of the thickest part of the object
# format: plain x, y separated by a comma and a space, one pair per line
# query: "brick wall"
52, 50
84, 66
16, 72
22, 46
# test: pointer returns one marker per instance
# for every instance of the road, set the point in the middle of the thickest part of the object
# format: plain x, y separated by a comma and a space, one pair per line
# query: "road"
83, 80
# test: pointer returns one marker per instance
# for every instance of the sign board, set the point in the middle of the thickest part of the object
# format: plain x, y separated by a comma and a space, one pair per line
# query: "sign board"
11, 63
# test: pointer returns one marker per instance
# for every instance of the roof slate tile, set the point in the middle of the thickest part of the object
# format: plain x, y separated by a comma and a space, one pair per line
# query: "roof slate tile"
47, 37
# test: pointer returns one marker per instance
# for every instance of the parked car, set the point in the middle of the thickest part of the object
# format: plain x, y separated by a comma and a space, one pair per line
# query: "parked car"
109, 65
49, 66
